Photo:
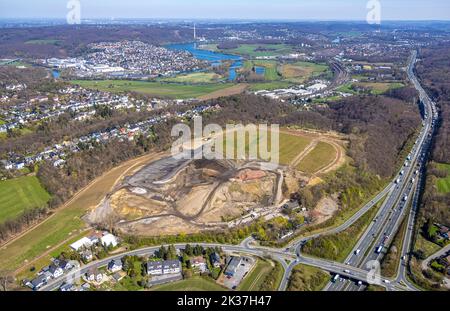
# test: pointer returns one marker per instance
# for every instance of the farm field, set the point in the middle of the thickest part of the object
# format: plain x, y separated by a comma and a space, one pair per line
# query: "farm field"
192, 284
301, 71
66, 221
157, 89
20, 194
269, 86
321, 156
443, 184
196, 77
254, 280
271, 71
378, 88
254, 50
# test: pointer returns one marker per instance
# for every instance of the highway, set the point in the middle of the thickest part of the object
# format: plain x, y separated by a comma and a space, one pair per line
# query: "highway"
380, 233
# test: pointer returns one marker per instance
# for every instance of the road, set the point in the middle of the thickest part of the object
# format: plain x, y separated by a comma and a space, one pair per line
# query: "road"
379, 235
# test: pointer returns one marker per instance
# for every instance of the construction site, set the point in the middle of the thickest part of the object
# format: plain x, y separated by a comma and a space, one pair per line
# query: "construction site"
184, 196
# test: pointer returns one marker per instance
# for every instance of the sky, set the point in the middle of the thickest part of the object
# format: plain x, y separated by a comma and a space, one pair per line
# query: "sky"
230, 9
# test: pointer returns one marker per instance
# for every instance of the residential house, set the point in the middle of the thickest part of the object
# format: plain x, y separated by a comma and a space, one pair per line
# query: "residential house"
66, 287
38, 282
87, 256
215, 259
93, 275
115, 265
199, 263
171, 266
154, 268
55, 271
163, 267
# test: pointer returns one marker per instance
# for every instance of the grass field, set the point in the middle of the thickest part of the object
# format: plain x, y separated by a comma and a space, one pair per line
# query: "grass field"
251, 50
65, 223
322, 155
290, 146
271, 70
193, 284
306, 278
157, 89
44, 41
196, 77
443, 184
253, 281
429, 248
20, 194
378, 88
301, 71
272, 85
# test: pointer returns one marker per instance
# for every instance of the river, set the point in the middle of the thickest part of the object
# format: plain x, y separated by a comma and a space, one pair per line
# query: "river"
215, 58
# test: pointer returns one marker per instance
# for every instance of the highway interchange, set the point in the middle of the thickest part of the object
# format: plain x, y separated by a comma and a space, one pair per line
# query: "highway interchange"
399, 200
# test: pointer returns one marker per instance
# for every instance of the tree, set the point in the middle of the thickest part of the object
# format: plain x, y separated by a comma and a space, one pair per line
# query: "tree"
6, 279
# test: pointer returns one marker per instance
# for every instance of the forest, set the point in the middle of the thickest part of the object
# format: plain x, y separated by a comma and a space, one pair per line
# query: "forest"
434, 72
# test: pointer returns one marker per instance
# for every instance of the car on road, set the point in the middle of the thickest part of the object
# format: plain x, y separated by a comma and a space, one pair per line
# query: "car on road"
357, 252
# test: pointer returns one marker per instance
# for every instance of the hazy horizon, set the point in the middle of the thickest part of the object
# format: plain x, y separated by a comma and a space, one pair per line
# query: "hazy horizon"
289, 10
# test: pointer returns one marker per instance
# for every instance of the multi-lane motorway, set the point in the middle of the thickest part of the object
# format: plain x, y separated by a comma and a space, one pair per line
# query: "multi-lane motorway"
354, 272
371, 248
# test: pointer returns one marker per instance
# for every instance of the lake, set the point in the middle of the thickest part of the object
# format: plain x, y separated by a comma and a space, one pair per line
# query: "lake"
215, 58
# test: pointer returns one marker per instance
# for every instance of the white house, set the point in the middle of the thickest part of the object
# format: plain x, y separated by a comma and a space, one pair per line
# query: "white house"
109, 240
55, 271
171, 266
93, 275
81, 243
115, 265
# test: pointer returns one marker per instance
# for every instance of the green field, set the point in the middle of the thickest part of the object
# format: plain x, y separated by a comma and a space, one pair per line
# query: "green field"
43, 41
271, 70
194, 284
251, 50
428, 247
20, 194
443, 184
301, 71
196, 77
269, 86
376, 88
290, 146
253, 281
307, 278
321, 156
157, 89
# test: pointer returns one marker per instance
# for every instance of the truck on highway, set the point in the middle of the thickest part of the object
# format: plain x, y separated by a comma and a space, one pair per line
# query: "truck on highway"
335, 278
379, 249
